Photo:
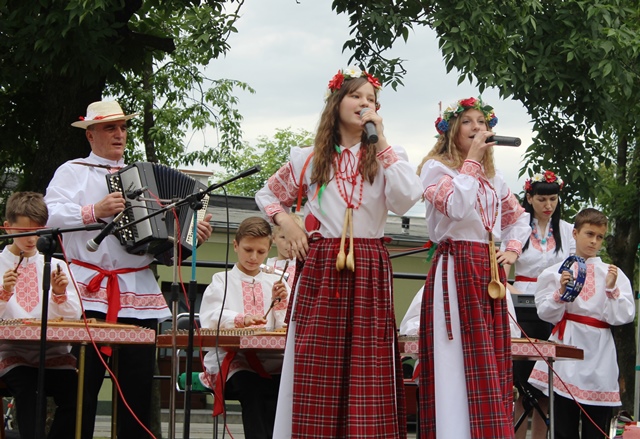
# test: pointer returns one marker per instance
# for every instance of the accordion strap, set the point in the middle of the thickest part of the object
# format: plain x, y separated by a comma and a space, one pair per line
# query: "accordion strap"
98, 165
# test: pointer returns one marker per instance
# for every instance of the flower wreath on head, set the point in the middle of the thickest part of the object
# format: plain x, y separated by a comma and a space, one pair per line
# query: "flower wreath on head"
546, 176
351, 73
453, 110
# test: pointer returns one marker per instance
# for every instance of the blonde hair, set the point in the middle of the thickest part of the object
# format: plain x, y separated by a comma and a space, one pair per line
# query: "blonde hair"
328, 136
448, 153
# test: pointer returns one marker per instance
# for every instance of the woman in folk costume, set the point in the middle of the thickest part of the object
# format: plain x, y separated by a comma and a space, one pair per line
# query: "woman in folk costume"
550, 242
465, 347
341, 374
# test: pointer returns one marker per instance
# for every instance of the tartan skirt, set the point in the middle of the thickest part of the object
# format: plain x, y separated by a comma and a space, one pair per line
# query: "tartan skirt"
484, 337
347, 374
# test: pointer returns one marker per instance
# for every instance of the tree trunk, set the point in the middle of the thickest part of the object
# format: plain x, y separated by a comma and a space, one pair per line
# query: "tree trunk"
620, 245
61, 103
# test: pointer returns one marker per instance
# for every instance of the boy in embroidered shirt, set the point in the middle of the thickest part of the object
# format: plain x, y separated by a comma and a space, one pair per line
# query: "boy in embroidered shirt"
22, 268
246, 297
605, 300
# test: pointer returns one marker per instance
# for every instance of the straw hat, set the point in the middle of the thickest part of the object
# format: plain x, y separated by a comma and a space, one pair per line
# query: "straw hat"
101, 112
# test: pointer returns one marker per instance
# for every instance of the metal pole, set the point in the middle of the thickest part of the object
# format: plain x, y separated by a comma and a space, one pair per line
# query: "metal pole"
636, 390
175, 289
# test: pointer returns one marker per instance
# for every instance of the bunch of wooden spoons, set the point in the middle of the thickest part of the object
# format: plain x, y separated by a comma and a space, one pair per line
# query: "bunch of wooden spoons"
343, 258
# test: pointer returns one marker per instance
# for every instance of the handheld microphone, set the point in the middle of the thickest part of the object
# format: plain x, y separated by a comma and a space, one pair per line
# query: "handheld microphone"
132, 195
370, 128
505, 140
93, 244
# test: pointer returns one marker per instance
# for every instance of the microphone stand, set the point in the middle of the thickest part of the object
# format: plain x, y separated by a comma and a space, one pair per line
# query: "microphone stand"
46, 245
175, 297
193, 288
195, 202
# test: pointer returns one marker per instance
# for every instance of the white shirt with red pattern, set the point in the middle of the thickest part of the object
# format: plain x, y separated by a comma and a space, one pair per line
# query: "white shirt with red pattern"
396, 187
25, 303
244, 295
538, 256
593, 380
70, 197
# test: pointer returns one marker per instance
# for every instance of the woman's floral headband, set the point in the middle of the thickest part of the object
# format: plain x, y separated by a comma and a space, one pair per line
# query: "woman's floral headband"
546, 176
351, 73
442, 123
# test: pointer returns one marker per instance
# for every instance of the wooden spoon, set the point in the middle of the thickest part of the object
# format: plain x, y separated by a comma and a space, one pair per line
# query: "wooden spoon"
341, 259
15, 270
351, 263
495, 288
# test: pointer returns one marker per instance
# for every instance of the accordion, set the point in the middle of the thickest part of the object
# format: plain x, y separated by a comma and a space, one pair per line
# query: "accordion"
154, 235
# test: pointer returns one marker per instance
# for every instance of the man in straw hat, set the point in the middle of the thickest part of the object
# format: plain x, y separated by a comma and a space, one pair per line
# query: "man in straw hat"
114, 285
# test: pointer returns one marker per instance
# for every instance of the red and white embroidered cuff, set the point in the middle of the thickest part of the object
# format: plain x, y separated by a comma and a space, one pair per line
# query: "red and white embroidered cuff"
4, 294
272, 209
88, 214
556, 296
514, 246
387, 157
613, 293
472, 168
59, 298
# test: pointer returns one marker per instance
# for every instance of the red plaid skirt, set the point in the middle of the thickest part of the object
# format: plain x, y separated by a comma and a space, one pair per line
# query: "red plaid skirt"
347, 373
486, 344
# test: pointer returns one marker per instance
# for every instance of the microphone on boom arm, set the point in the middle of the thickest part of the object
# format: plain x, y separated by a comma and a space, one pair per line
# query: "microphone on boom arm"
93, 244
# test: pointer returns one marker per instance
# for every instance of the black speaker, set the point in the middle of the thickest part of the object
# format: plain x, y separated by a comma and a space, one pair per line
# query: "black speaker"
528, 319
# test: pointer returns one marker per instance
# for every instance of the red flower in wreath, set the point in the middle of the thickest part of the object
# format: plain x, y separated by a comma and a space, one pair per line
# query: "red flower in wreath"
549, 176
527, 186
468, 102
337, 81
374, 81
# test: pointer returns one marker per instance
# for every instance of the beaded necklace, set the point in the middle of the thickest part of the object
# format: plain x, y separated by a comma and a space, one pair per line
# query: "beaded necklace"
534, 232
347, 174
490, 196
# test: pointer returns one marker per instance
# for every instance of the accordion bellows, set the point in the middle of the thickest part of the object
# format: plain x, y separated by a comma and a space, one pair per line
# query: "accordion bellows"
160, 185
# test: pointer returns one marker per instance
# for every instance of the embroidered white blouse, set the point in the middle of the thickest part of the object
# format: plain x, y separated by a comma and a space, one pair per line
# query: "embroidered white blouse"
396, 188
25, 303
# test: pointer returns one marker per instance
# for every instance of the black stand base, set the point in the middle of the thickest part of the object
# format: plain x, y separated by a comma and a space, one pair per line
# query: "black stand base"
529, 402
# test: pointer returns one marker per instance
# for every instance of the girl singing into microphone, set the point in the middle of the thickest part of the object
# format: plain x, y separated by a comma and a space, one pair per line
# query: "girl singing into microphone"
465, 348
341, 374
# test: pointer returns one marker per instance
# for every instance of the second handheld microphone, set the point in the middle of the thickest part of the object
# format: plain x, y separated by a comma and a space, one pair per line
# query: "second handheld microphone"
370, 128
505, 140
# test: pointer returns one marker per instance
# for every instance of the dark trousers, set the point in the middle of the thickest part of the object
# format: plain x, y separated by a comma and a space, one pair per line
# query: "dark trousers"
61, 384
135, 371
567, 419
258, 398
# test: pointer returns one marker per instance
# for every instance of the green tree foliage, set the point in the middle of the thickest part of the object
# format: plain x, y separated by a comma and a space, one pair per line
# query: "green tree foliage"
59, 56
269, 153
574, 66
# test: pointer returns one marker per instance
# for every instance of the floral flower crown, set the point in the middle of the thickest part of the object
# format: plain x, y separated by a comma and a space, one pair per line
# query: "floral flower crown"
442, 123
351, 73
546, 176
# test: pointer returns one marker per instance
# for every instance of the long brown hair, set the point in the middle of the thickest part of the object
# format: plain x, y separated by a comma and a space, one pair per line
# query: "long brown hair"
328, 136
447, 152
